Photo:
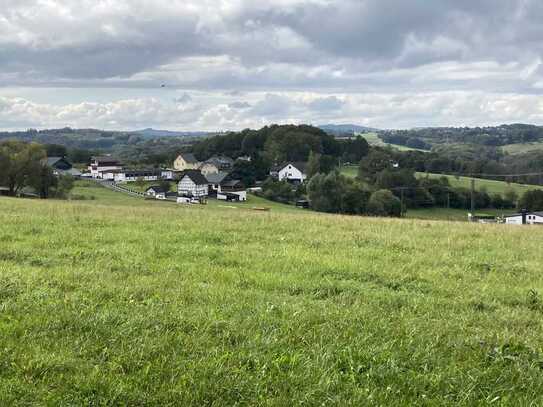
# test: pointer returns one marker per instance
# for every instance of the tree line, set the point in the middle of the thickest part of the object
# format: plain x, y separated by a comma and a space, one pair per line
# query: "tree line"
24, 166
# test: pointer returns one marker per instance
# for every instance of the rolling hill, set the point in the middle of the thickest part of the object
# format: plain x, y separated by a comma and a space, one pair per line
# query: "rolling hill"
123, 301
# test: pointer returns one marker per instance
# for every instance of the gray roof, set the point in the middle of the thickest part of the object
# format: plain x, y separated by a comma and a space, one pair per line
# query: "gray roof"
196, 176
53, 160
231, 183
189, 158
216, 178
156, 188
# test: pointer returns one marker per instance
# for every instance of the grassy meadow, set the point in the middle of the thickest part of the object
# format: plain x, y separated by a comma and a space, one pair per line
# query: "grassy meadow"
522, 148
122, 301
491, 186
374, 140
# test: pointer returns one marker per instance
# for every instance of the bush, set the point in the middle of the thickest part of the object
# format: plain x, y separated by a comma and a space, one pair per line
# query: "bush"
279, 191
384, 203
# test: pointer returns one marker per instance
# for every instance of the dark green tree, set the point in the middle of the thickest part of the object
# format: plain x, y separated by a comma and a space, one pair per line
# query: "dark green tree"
384, 203
531, 201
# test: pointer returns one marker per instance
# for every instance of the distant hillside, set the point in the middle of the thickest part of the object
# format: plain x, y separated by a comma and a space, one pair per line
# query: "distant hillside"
149, 132
337, 129
494, 136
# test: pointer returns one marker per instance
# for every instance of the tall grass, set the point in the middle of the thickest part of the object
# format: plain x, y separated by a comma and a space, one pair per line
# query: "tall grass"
172, 305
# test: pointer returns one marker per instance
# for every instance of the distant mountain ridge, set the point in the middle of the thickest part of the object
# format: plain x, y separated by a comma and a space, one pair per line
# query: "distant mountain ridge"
150, 132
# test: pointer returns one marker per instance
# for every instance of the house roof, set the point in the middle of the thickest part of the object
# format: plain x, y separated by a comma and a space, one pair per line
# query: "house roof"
53, 160
300, 165
189, 158
157, 188
231, 183
196, 176
220, 160
216, 178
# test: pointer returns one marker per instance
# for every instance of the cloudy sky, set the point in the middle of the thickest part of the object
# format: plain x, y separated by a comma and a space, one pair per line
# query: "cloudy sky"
232, 64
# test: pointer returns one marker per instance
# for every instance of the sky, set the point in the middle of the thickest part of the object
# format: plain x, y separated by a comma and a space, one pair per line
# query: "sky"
233, 64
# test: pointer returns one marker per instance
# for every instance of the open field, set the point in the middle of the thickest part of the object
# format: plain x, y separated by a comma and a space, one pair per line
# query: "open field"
374, 140
451, 214
96, 194
131, 302
491, 186
523, 147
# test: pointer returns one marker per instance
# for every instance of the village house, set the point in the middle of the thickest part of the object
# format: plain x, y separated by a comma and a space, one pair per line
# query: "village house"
100, 165
156, 191
209, 168
186, 161
221, 162
292, 172
525, 218
193, 184
61, 166
170, 174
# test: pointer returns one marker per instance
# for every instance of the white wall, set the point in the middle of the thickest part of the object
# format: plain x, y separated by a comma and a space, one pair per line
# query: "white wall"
290, 172
530, 220
187, 187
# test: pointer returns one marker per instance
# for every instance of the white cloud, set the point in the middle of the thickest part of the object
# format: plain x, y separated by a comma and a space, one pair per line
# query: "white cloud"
272, 60
379, 110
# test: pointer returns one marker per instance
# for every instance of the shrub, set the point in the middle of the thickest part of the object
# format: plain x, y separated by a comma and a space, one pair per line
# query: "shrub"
384, 203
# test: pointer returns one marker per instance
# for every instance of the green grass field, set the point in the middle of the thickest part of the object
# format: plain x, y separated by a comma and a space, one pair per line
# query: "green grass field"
522, 147
374, 140
491, 186
121, 301
97, 195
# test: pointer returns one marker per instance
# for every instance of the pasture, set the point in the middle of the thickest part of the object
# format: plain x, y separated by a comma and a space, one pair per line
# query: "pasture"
121, 301
374, 140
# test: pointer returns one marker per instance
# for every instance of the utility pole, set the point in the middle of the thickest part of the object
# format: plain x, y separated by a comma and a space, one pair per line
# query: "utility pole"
448, 200
472, 196
401, 194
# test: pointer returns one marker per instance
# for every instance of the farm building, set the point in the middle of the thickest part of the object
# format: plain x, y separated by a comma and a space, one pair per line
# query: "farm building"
526, 218
186, 161
232, 190
214, 180
99, 165
193, 184
293, 172
131, 175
